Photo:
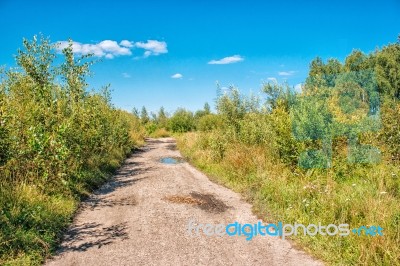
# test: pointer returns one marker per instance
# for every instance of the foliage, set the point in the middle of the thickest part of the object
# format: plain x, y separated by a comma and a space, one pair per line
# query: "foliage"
57, 142
232, 108
162, 118
312, 156
144, 116
209, 122
181, 121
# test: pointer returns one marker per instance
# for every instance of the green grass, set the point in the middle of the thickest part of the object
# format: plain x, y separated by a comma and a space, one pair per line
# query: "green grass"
33, 220
31, 223
160, 133
357, 195
58, 142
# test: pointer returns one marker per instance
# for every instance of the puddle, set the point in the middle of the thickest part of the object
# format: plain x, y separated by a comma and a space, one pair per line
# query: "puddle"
171, 160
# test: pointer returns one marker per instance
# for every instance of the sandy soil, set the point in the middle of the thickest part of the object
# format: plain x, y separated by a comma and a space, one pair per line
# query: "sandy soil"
141, 217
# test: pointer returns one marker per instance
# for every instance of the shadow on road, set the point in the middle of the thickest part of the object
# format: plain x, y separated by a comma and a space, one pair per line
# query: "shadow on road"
82, 237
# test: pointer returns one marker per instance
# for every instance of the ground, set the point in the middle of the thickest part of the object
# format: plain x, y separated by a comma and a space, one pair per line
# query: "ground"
142, 216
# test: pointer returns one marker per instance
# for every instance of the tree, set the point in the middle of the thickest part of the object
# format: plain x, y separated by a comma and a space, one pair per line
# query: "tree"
356, 61
322, 74
181, 121
331, 70
200, 113
135, 112
36, 60
144, 116
75, 71
162, 118
277, 95
387, 69
207, 109
316, 67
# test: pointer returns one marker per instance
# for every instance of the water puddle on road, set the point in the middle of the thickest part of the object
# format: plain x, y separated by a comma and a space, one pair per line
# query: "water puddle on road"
171, 160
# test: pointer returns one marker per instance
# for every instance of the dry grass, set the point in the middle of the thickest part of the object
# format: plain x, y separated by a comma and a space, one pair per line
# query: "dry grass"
357, 195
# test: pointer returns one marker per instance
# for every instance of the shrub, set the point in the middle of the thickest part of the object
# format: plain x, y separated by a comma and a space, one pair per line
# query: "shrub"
181, 121
209, 122
57, 142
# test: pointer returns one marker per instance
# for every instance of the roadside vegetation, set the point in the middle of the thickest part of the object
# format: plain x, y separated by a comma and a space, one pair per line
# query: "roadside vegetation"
327, 154
161, 124
298, 158
58, 142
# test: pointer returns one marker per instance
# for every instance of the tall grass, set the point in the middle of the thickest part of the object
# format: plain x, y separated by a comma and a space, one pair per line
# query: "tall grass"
343, 194
58, 141
256, 150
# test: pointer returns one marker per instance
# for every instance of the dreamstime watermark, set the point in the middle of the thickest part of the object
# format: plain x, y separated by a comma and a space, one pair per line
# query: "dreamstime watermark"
278, 230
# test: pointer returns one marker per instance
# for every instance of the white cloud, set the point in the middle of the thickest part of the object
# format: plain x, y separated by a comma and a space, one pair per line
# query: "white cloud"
152, 47
110, 49
177, 76
286, 73
107, 48
126, 75
274, 80
227, 60
126, 43
147, 54
113, 48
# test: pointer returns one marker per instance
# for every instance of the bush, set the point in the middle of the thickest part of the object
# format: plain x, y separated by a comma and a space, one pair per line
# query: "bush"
390, 134
181, 121
57, 143
160, 133
257, 153
209, 122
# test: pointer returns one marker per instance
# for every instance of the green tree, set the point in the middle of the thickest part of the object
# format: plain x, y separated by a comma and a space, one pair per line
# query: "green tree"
144, 116
74, 72
207, 108
200, 113
181, 121
36, 60
387, 69
356, 61
162, 118
277, 95
322, 74
232, 107
135, 112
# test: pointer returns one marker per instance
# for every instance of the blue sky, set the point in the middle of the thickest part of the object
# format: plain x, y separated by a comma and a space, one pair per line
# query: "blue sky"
171, 53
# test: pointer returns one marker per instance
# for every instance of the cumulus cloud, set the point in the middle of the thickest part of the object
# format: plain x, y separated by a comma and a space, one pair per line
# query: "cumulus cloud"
126, 43
126, 75
110, 49
107, 48
273, 79
286, 73
152, 47
177, 76
227, 60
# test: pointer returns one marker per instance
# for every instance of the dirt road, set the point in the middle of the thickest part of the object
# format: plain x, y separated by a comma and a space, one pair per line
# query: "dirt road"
142, 216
